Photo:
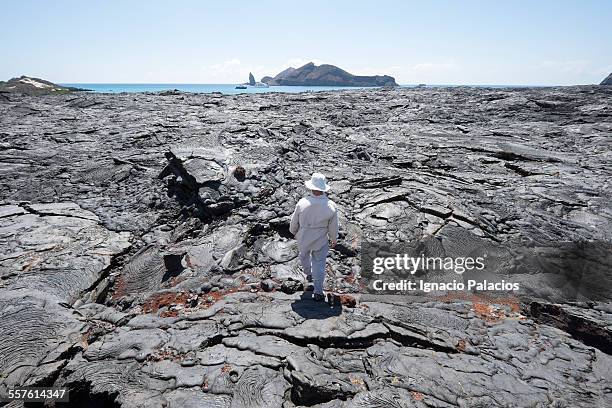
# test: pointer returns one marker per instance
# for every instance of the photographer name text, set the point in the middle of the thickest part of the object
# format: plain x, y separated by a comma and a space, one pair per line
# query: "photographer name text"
406, 285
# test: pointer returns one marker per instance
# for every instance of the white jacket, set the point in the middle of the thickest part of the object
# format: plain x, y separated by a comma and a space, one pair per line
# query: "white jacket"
314, 221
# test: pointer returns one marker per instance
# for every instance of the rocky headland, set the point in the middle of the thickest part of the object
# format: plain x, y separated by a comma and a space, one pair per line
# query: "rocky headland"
252, 82
607, 80
145, 259
326, 75
33, 86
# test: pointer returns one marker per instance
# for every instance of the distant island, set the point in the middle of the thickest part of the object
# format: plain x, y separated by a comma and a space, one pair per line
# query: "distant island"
34, 86
325, 75
607, 81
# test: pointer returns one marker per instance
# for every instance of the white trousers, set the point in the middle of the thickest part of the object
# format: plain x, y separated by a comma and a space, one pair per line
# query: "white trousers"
313, 263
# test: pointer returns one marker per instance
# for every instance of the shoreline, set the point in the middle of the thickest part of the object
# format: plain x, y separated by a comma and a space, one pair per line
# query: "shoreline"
229, 89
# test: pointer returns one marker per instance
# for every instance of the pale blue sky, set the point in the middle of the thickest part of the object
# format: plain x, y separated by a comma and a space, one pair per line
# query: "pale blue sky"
435, 42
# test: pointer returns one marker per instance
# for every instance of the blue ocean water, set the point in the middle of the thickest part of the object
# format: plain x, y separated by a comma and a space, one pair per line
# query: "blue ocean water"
230, 89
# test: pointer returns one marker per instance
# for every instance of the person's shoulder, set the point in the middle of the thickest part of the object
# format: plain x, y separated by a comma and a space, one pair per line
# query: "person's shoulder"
303, 202
332, 205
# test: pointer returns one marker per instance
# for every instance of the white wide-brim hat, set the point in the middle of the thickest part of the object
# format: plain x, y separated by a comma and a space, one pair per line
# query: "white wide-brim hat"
317, 182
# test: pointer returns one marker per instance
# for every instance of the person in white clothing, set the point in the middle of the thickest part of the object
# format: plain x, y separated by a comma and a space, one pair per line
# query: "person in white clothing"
314, 224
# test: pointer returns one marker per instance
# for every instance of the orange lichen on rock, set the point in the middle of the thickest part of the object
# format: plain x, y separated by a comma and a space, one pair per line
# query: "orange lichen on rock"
417, 396
159, 300
119, 287
488, 308
356, 380
358, 383
488, 312
213, 297
176, 301
347, 300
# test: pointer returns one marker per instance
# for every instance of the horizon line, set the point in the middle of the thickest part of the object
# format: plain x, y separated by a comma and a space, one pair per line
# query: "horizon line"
403, 84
